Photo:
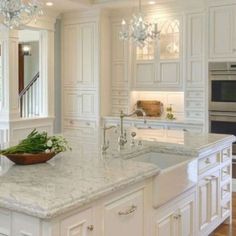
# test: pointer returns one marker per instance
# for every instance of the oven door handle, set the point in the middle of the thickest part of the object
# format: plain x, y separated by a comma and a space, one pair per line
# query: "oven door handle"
223, 118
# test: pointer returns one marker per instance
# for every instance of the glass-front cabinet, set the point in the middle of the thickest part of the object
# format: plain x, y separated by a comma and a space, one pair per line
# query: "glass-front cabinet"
158, 64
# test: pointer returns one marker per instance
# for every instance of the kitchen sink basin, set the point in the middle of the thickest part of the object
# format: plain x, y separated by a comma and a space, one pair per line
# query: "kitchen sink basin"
178, 174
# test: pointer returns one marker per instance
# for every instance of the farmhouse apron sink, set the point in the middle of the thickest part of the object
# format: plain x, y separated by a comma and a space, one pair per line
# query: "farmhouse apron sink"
178, 173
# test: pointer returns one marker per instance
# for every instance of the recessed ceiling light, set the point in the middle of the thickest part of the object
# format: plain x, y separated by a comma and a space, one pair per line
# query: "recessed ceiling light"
151, 2
49, 4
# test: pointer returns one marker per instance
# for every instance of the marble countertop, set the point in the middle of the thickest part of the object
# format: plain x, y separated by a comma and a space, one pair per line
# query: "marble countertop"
76, 178
159, 120
70, 180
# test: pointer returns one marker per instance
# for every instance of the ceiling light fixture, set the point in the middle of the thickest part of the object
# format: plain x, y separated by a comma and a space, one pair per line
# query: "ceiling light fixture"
151, 2
49, 4
139, 30
16, 13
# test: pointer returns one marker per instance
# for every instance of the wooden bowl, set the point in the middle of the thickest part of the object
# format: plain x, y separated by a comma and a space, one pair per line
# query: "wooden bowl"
30, 159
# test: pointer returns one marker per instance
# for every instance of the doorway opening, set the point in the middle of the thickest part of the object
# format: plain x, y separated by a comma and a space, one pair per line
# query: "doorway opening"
30, 79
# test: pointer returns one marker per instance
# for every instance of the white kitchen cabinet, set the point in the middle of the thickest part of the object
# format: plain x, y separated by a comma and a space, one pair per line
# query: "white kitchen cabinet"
80, 103
119, 73
209, 201
24, 225
80, 224
159, 64
5, 222
222, 31
124, 216
195, 91
177, 218
79, 55
166, 226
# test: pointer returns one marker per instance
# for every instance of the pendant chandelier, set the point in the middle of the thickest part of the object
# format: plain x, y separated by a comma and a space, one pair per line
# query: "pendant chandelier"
16, 13
140, 31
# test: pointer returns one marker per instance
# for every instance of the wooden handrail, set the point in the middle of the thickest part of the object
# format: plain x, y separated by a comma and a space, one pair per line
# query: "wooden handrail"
29, 85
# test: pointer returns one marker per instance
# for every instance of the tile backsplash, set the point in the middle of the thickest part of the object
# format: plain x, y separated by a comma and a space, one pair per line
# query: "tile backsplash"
167, 98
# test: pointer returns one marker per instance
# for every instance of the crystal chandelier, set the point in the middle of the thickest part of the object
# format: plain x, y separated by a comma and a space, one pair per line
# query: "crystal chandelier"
139, 30
15, 13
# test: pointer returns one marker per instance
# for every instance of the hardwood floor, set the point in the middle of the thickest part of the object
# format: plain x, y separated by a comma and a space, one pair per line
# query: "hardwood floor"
228, 230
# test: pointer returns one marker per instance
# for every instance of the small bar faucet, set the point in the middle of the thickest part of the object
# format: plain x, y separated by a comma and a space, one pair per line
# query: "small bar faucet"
106, 143
123, 138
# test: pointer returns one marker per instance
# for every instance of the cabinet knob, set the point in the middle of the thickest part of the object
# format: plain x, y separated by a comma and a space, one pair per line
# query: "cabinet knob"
207, 161
90, 227
176, 217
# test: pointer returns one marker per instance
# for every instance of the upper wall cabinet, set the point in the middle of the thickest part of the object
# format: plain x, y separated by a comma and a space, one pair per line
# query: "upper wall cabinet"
79, 67
159, 64
119, 58
222, 32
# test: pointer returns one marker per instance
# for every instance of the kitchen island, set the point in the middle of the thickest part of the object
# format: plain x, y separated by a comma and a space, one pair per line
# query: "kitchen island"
123, 192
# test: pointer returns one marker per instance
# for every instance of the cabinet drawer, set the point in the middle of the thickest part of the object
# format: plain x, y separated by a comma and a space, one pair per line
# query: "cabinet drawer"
117, 101
124, 216
226, 154
71, 123
225, 210
225, 191
79, 224
225, 173
5, 222
195, 94
119, 93
24, 225
209, 162
194, 104
195, 114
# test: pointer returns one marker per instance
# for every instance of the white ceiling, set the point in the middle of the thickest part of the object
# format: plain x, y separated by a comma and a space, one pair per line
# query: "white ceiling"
68, 5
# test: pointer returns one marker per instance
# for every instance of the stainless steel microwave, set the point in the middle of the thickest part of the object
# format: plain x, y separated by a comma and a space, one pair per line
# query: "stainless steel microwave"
222, 86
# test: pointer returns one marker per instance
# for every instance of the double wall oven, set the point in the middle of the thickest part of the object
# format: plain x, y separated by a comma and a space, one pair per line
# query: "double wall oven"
222, 98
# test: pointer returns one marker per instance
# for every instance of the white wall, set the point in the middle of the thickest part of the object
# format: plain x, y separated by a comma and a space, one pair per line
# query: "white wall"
167, 98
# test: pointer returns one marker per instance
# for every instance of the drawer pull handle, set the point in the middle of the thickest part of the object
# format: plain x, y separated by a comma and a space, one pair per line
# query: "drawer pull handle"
90, 227
132, 209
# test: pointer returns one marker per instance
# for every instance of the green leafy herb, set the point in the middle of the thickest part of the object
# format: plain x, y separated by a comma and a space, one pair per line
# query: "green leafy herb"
37, 143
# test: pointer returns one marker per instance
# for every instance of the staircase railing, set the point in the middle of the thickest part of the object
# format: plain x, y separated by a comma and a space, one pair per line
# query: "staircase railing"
30, 99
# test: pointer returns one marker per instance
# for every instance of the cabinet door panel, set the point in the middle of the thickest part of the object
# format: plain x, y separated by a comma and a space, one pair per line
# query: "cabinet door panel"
221, 30
77, 225
169, 74
71, 63
125, 216
71, 104
145, 74
214, 196
187, 220
164, 227
87, 54
119, 47
119, 74
87, 104
203, 194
